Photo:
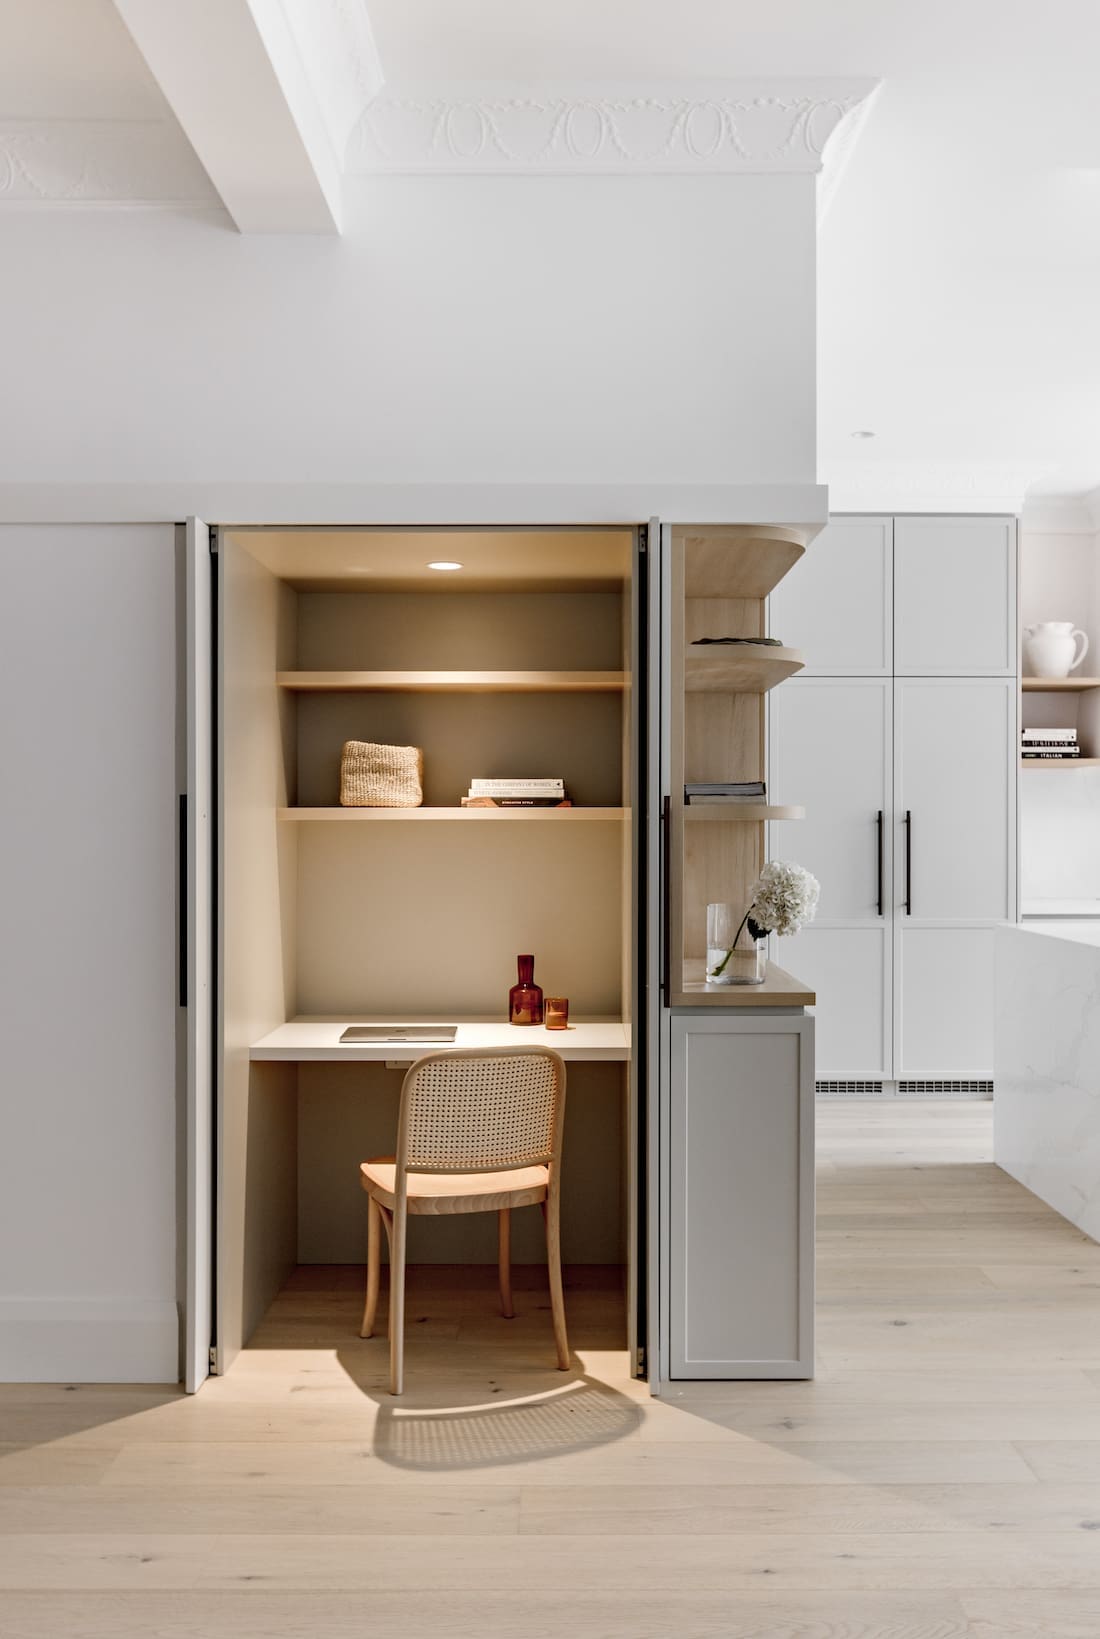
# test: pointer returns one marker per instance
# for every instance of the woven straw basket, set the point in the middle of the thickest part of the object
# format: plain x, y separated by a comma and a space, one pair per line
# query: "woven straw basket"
374, 776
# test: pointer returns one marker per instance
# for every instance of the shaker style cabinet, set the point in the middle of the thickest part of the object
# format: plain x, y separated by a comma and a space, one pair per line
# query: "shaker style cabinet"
838, 604
742, 1117
926, 741
846, 953
955, 597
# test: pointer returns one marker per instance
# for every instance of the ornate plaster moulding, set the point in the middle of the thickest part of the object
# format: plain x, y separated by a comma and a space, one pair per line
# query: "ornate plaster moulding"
869, 486
729, 127
136, 163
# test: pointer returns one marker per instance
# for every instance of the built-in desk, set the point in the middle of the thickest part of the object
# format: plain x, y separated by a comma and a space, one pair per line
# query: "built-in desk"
313, 1040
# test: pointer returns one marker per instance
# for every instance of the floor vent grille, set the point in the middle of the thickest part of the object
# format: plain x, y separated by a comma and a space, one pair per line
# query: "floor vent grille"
945, 1089
849, 1089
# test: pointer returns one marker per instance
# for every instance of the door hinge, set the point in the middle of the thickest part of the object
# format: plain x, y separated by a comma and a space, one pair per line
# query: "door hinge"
639, 1362
212, 1358
643, 537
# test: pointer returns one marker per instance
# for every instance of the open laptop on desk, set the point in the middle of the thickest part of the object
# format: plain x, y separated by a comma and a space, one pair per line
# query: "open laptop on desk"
400, 1032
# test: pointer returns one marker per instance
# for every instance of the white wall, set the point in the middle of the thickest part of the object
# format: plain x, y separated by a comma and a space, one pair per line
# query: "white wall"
88, 997
473, 329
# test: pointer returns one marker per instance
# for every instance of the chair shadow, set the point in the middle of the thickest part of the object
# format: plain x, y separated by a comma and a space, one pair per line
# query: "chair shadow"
576, 1414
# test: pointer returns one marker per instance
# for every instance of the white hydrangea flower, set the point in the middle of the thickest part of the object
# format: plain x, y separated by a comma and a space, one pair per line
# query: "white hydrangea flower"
784, 899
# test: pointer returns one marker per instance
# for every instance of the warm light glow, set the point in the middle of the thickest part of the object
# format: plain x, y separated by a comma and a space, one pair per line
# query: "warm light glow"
445, 564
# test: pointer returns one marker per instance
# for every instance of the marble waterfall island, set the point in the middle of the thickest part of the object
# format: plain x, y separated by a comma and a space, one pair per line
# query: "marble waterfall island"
1046, 1107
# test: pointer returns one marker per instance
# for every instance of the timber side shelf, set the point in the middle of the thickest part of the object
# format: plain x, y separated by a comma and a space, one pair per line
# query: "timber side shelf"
720, 580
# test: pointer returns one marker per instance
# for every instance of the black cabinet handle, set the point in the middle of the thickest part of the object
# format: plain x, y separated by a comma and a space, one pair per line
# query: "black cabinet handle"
880, 822
908, 863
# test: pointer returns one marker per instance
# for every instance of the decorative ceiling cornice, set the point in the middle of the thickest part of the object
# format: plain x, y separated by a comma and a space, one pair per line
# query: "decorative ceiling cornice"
934, 486
734, 127
136, 163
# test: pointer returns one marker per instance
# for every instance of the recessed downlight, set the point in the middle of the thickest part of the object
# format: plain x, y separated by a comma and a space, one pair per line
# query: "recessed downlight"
444, 565
862, 432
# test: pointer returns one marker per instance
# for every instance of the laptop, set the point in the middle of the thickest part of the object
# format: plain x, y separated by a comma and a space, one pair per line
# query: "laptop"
400, 1032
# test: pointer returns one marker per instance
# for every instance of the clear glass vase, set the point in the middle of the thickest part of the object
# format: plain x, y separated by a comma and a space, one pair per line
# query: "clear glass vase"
734, 957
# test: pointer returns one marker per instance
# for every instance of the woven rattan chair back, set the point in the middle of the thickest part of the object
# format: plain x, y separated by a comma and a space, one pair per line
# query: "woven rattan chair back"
482, 1110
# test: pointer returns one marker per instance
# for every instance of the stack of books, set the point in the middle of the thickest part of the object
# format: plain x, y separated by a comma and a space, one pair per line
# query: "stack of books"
707, 791
1053, 744
517, 793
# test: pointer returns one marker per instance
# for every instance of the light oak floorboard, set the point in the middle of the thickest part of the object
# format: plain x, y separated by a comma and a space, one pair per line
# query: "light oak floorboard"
490, 1614
940, 1479
894, 1562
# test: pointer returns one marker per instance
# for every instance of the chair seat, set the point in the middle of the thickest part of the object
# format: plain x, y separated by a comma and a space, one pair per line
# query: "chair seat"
435, 1194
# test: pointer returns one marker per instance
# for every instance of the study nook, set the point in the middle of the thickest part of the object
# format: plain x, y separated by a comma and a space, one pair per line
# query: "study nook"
453, 772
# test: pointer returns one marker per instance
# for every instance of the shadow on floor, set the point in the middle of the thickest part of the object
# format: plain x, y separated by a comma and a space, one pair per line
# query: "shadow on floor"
577, 1416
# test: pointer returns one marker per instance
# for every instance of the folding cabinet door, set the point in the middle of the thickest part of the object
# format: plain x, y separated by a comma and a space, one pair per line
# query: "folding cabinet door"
197, 920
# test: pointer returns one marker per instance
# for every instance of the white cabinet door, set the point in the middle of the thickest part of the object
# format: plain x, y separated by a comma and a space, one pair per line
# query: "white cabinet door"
836, 605
741, 1158
955, 778
830, 751
954, 597
849, 969
955, 773
945, 1003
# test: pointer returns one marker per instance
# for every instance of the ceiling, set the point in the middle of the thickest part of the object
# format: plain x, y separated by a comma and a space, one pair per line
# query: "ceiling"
960, 258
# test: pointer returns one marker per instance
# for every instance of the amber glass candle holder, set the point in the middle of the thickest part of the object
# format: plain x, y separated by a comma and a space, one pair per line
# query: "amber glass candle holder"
556, 1012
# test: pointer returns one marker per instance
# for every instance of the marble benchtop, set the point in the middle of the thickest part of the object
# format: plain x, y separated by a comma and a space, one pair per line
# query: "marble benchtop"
1046, 1083
1079, 930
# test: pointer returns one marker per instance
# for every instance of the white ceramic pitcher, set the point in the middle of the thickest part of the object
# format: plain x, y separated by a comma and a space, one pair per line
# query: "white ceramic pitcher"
1050, 648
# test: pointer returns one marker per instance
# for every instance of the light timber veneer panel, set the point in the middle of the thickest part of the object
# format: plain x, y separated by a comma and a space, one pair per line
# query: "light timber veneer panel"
720, 579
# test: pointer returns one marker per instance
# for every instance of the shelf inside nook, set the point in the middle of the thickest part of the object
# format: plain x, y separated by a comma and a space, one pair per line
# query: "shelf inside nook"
747, 668
560, 816
453, 682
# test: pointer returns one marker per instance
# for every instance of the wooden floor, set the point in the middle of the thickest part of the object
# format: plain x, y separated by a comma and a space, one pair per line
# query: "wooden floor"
940, 1479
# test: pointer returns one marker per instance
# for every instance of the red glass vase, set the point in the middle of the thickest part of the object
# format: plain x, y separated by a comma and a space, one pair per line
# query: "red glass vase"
525, 997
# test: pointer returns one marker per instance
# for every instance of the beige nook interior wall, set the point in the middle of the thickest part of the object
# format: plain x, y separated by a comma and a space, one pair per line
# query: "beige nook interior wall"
348, 1113
257, 1173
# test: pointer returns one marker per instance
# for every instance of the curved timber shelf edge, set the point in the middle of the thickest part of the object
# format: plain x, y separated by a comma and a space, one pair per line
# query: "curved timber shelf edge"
750, 668
714, 813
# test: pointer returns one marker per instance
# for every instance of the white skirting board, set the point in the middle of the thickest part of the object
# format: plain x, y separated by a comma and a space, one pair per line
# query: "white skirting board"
88, 1340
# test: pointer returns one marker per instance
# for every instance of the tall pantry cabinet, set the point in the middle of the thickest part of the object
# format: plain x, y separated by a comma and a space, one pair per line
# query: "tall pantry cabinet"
901, 736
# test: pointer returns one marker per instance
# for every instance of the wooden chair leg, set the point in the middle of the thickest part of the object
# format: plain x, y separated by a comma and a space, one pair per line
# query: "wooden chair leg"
504, 1260
374, 1266
557, 1294
397, 1303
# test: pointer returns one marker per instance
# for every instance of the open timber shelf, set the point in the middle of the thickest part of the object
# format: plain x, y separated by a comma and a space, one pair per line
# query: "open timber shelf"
716, 813
780, 989
720, 578
1059, 762
453, 682
359, 816
747, 669
1058, 685
739, 560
